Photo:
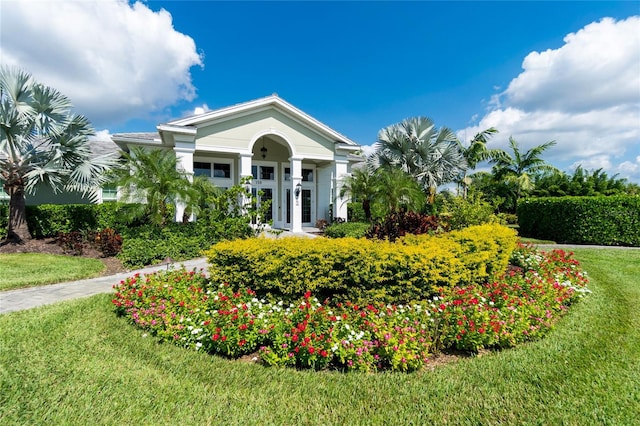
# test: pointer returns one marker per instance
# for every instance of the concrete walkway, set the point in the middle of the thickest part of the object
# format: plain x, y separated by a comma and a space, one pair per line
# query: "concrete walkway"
31, 297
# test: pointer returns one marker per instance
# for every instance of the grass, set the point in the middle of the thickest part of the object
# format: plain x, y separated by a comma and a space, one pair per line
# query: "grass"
31, 269
76, 363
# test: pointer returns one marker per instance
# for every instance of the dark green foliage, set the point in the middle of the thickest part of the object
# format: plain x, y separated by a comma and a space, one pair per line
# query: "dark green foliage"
146, 245
4, 219
49, 220
581, 183
612, 221
355, 212
347, 229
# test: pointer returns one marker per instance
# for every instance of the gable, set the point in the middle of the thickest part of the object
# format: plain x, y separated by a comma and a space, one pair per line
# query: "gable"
239, 132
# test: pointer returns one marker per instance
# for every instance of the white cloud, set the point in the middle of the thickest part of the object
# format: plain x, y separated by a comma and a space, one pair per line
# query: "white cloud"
630, 170
115, 61
201, 109
584, 95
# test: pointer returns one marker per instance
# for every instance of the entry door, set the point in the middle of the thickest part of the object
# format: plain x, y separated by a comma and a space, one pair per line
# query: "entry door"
263, 186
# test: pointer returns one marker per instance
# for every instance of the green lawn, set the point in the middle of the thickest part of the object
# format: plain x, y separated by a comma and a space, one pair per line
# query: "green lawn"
76, 363
32, 269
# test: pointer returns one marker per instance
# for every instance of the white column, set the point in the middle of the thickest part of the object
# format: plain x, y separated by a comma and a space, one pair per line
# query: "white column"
296, 202
245, 171
184, 156
339, 203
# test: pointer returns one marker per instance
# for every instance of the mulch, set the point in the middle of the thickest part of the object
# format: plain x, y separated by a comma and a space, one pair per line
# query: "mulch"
50, 246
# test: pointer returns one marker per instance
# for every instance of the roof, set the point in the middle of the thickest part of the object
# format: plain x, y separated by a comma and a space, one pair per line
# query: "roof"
100, 147
194, 121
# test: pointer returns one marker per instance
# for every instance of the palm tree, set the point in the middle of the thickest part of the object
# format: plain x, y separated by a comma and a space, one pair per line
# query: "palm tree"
476, 152
360, 188
433, 157
151, 176
395, 189
42, 143
520, 168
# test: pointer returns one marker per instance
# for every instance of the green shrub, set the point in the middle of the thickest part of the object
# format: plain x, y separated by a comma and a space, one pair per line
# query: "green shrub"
360, 269
355, 212
347, 229
611, 221
148, 244
4, 219
460, 212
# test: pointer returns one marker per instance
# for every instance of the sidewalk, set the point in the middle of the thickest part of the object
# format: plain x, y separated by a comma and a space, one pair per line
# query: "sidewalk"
31, 297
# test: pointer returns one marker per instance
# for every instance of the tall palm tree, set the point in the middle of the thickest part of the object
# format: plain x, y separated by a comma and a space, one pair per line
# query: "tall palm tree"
520, 168
151, 176
431, 156
42, 143
476, 152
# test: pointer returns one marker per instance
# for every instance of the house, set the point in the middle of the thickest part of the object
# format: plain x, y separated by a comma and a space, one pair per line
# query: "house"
293, 159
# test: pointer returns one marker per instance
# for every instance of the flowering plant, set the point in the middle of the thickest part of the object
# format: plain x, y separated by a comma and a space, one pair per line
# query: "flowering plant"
524, 303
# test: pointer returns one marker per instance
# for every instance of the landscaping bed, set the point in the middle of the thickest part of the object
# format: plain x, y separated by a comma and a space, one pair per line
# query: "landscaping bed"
186, 308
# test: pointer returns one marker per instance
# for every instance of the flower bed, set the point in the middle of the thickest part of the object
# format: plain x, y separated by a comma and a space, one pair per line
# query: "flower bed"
182, 307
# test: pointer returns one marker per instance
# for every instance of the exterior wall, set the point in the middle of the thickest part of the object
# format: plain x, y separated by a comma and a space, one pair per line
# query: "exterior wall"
325, 191
236, 134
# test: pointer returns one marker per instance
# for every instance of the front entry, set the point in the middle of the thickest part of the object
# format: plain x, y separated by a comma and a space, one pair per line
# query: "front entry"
264, 186
306, 199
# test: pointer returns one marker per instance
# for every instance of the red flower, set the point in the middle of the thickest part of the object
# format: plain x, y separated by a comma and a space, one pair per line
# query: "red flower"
311, 350
242, 342
307, 295
215, 337
224, 338
294, 338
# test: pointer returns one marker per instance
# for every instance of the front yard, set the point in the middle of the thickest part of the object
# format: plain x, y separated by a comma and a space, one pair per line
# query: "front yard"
77, 363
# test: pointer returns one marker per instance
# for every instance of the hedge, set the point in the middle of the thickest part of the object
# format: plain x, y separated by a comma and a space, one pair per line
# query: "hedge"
610, 221
347, 229
48, 220
363, 270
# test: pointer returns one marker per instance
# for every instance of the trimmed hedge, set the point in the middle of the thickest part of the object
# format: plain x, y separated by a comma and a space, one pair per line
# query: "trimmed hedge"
147, 245
610, 221
48, 220
347, 229
363, 270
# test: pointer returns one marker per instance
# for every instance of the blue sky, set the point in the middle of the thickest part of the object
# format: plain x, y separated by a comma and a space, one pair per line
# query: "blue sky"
356, 66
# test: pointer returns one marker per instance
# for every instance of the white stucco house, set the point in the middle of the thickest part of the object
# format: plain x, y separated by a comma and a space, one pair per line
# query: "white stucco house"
293, 159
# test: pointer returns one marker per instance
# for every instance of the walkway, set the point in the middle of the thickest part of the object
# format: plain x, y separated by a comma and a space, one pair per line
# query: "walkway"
31, 297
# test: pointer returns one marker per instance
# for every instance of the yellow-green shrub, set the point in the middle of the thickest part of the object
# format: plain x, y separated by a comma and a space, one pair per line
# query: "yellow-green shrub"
363, 270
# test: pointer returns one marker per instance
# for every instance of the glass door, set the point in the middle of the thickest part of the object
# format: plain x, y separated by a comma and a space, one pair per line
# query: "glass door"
263, 187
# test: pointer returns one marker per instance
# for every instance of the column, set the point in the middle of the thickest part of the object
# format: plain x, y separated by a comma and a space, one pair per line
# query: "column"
339, 203
245, 172
296, 193
184, 156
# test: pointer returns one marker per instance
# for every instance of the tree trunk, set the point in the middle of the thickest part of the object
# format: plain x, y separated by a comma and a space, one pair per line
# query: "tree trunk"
17, 229
366, 206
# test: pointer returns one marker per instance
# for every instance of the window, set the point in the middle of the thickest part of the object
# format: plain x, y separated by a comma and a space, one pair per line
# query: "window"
109, 193
201, 169
222, 170
267, 173
287, 173
307, 175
